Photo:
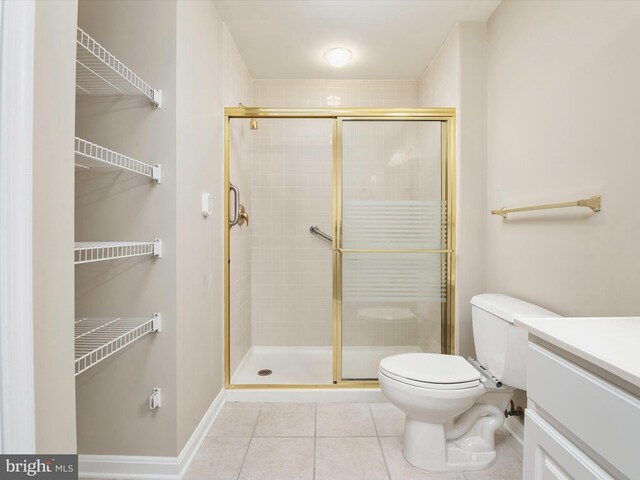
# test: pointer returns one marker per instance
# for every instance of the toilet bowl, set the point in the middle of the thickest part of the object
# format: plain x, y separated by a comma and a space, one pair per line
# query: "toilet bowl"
452, 409
439, 396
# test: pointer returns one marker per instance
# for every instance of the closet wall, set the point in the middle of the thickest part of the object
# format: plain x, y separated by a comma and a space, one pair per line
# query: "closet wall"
175, 46
112, 397
199, 168
54, 100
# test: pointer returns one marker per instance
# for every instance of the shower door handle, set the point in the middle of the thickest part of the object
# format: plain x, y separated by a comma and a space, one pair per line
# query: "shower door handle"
233, 220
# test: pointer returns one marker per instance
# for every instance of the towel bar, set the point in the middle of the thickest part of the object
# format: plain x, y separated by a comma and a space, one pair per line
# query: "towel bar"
593, 203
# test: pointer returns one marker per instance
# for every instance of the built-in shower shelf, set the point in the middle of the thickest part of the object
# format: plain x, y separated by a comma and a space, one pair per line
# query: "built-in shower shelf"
90, 155
97, 338
100, 73
86, 252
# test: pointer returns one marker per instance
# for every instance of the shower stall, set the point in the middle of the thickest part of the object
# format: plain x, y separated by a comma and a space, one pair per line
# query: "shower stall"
339, 244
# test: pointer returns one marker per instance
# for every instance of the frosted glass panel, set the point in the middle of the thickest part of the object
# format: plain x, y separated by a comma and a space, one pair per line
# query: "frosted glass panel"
393, 277
393, 299
392, 194
391, 303
394, 224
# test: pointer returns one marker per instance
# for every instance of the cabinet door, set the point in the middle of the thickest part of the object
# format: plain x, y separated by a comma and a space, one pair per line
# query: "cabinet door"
603, 416
548, 455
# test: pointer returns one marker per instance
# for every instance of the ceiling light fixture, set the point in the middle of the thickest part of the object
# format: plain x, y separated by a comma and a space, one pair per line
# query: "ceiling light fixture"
338, 57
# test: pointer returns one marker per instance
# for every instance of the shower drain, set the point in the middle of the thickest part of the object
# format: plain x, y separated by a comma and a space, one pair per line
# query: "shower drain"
264, 372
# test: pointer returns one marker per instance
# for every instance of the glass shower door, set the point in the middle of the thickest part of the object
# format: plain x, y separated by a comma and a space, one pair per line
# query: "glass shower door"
392, 249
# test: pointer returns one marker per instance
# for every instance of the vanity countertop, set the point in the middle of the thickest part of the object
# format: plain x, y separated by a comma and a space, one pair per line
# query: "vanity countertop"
611, 343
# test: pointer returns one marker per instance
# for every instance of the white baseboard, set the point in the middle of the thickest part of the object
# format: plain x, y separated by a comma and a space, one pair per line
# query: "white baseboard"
151, 468
197, 437
129, 467
516, 428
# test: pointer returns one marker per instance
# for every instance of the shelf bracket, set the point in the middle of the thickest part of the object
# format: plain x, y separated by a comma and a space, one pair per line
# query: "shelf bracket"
157, 98
156, 173
155, 400
157, 322
157, 248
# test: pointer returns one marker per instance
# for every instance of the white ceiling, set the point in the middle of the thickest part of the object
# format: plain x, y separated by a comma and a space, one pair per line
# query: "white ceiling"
390, 39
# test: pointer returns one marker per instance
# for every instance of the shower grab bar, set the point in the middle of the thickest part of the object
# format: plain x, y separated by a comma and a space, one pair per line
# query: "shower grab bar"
316, 231
233, 221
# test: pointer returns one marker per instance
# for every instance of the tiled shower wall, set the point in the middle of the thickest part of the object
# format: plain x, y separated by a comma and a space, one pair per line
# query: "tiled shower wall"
291, 190
291, 269
335, 93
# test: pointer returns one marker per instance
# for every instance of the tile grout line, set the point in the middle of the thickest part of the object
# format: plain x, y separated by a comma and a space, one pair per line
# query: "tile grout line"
249, 445
315, 438
255, 427
315, 419
384, 458
244, 457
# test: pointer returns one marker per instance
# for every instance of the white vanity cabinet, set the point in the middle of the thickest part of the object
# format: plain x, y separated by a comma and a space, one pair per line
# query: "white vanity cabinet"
550, 455
583, 415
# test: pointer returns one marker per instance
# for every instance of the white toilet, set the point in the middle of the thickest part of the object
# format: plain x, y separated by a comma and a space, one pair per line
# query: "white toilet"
452, 410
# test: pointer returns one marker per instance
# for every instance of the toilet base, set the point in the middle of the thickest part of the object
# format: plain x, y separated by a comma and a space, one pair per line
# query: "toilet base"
425, 447
459, 459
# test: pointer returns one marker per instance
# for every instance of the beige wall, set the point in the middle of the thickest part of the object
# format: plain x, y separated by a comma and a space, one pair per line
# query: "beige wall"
471, 230
439, 84
199, 168
456, 78
112, 397
54, 100
237, 81
563, 114
238, 88
181, 53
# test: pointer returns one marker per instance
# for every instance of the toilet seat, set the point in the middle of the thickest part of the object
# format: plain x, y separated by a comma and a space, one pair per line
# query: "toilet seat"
431, 370
432, 386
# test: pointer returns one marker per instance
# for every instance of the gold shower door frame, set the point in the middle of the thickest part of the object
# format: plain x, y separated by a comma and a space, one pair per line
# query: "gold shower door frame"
447, 118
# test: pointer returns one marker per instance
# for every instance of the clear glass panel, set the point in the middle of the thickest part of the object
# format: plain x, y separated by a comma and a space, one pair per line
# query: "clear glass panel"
392, 185
391, 303
241, 142
392, 199
281, 275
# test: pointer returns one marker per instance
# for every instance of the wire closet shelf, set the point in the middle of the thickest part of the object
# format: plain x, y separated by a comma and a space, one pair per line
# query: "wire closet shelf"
98, 72
91, 154
97, 338
87, 252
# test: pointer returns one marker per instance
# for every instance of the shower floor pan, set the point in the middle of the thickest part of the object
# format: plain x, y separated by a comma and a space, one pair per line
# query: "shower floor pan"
311, 365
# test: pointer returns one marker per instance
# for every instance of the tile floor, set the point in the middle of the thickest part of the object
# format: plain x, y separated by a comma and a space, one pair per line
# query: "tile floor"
325, 441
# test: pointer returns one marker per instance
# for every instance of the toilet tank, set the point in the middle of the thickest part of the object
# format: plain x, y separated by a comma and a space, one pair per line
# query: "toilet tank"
501, 347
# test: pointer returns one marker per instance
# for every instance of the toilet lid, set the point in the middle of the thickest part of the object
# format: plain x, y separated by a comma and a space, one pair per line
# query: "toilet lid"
430, 368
